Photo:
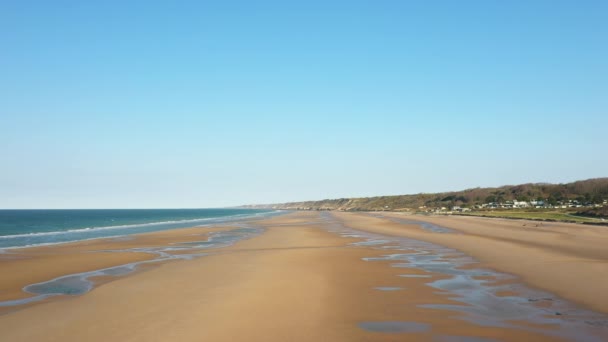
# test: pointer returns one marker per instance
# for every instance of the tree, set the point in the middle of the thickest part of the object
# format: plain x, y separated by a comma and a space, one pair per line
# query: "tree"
557, 195
587, 197
597, 198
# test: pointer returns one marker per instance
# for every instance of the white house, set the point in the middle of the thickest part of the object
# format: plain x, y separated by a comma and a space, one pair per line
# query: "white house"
520, 204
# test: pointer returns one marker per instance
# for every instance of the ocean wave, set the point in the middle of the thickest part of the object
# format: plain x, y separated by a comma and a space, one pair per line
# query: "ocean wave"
42, 244
127, 226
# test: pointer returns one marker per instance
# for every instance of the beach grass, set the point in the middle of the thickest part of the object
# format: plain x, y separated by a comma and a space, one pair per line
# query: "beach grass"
538, 214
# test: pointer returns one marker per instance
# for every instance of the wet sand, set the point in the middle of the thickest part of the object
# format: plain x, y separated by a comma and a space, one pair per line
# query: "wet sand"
307, 277
570, 260
24, 266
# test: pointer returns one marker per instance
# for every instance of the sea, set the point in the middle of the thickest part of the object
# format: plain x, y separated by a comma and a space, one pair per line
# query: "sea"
26, 228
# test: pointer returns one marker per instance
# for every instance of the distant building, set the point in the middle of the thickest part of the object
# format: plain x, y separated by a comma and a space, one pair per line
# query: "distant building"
520, 204
537, 204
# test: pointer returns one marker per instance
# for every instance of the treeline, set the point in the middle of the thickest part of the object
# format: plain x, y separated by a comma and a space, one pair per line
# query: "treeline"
587, 192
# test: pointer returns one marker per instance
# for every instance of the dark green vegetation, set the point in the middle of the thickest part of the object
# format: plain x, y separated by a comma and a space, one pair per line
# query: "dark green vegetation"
591, 191
601, 212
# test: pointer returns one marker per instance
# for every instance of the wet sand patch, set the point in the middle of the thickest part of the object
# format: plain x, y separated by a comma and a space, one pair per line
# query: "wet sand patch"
506, 293
135, 252
388, 288
475, 289
394, 327
415, 275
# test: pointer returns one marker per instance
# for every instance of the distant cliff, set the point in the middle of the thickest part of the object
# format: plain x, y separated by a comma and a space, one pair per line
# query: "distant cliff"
587, 192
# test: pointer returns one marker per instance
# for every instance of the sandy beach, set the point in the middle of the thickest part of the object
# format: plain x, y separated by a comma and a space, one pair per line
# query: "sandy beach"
570, 260
323, 277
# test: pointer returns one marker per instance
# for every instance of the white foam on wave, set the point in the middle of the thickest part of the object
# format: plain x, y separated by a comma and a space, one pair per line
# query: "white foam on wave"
42, 244
127, 226
94, 229
208, 221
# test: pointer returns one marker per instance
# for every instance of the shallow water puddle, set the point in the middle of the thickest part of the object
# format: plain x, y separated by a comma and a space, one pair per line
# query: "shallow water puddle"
80, 283
388, 288
424, 225
477, 291
450, 338
394, 327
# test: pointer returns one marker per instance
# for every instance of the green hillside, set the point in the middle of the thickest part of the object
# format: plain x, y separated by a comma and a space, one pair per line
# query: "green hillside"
586, 192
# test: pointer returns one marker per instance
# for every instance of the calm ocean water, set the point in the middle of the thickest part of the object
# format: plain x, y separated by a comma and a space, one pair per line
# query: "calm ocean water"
19, 228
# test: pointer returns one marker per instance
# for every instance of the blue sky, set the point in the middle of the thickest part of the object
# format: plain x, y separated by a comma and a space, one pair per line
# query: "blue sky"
202, 104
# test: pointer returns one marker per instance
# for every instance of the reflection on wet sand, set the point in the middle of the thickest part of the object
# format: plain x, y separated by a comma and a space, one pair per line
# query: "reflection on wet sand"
477, 289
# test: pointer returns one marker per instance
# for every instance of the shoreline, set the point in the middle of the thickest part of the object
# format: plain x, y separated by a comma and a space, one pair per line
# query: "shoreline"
307, 276
128, 229
42, 264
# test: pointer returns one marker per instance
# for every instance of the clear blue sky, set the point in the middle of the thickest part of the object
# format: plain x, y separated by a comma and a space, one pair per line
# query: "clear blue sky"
203, 104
